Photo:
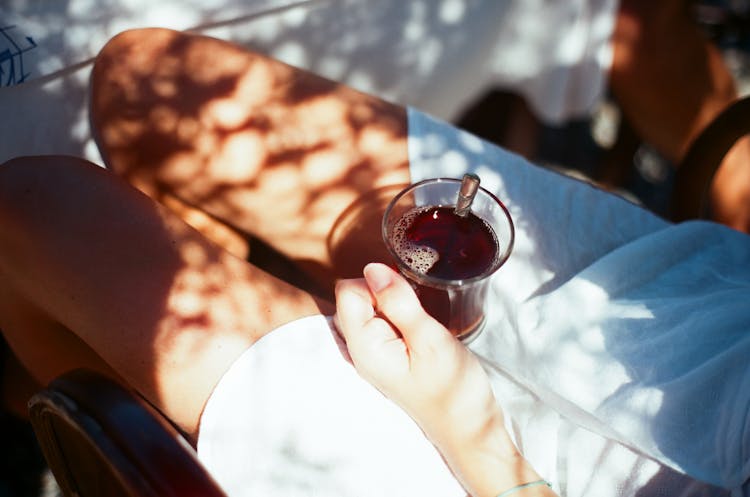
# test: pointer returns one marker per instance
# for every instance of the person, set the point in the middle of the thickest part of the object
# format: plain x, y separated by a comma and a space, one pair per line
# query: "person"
95, 273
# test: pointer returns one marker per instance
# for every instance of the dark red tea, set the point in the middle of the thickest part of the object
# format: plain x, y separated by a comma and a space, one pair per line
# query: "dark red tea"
436, 242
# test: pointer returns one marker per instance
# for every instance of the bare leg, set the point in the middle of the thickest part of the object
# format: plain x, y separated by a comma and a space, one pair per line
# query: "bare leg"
273, 151
96, 274
671, 82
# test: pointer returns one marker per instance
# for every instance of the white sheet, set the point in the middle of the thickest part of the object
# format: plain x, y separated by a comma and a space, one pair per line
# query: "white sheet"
616, 343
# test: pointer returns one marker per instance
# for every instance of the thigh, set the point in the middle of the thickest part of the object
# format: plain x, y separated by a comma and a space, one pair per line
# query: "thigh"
163, 307
277, 152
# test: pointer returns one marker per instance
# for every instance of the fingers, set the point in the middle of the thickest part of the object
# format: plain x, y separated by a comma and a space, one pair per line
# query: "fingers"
354, 306
355, 311
381, 308
396, 301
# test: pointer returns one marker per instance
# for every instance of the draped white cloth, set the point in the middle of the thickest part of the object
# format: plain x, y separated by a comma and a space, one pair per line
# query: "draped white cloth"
617, 344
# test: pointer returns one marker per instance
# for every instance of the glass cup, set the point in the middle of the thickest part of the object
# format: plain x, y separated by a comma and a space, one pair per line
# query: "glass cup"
449, 265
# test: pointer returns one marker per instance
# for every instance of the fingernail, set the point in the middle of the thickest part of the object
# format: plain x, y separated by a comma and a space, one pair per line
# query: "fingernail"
378, 276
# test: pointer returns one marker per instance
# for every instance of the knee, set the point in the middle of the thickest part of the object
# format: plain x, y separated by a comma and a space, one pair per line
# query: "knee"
32, 186
135, 51
130, 59
19, 179
123, 93
17, 176
39, 168
123, 67
151, 94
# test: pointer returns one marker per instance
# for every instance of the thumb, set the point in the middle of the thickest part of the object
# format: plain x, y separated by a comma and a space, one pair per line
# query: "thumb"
396, 301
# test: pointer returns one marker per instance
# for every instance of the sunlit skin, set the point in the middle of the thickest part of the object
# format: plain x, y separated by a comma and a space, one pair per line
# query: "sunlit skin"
260, 146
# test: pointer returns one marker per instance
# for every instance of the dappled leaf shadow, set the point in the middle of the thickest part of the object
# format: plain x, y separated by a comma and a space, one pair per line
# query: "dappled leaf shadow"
276, 153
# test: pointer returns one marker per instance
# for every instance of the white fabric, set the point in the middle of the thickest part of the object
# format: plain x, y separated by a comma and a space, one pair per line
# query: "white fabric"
616, 343
437, 56
293, 418
598, 289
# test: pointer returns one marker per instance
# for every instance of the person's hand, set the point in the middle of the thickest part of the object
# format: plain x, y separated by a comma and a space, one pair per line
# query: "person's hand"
413, 359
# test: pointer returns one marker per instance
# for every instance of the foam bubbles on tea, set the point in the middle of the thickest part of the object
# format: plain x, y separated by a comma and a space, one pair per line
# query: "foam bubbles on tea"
419, 258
